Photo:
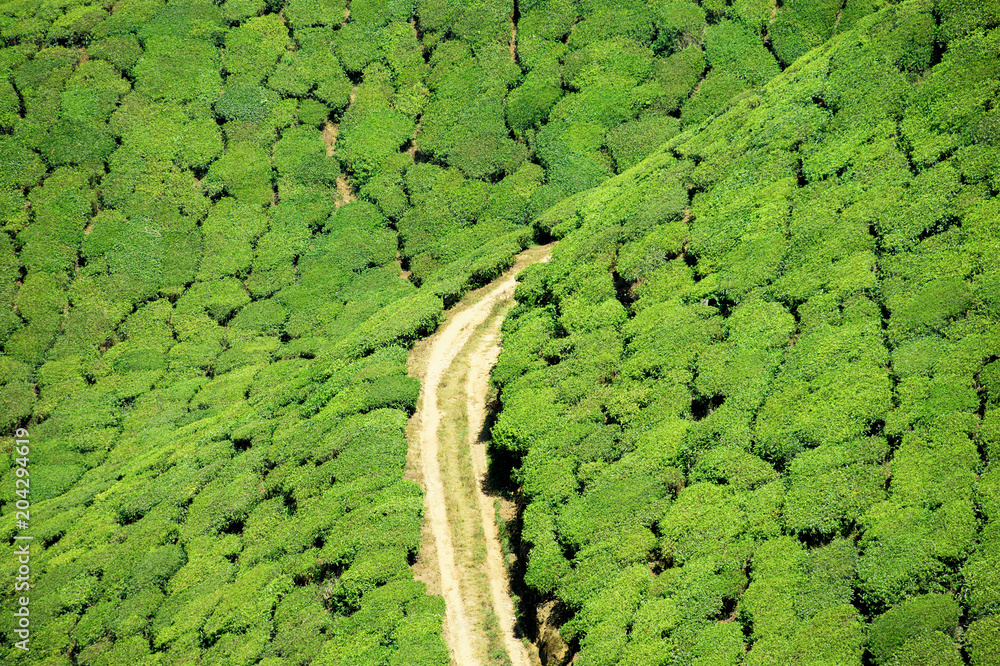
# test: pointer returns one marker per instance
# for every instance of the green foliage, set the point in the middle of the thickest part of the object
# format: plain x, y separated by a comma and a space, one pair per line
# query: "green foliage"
21, 167
304, 13
933, 127
958, 18
246, 102
194, 19
730, 47
982, 575
379, 13
915, 617
300, 157
631, 142
254, 48
529, 104
61, 206
370, 140
801, 26
679, 25
312, 69
758, 373
245, 173
464, 120
930, 648
711, 94
834, 485
219, 299
759, 349
178, 69
981, 638
229, 232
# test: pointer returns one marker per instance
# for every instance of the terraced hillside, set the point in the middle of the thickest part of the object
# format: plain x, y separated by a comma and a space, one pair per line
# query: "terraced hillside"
224, 224
755, 394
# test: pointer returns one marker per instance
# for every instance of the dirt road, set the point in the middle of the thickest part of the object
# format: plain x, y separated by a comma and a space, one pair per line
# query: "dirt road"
461, 556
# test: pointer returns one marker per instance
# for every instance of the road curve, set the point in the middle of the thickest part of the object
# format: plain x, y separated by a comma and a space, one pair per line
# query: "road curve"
462, 326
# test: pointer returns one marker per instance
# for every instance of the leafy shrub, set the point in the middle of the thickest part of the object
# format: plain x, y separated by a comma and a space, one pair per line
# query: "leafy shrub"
929, 648
254, 48
982, 575
529, 104
802, 25
21, 167
982, 641
303, 13
250, 103
180, 70
914, 617
730, 47
245, 173
62, 207
301, 156
833, 485
679, 25
636, 139
712, 93
219, 299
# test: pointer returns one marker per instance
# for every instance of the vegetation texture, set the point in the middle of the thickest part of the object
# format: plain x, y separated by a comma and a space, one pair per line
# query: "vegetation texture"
753, 394
754, 400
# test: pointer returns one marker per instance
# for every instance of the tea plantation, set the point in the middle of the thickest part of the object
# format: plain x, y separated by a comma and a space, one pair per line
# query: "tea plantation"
753, 401
754, 396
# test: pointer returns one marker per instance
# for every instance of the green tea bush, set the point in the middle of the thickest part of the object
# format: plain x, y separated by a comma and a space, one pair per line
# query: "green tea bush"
195, 19
180, 70
245, 173
21, 167
304, 13
632, 141
122, 51
61, 207
959, 18
229, 232
712, 92
730, 47
529, 104
801, 26
679, 25
833, 486
220, 299
246, 102
982, 575
369, 140
254, 48
981, 638
914, 617
631, 20
300, 156
931, 648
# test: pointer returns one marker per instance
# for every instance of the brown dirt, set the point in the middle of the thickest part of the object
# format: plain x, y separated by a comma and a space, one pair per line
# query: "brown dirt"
330, 133
476, 389
551, 645
513, 38
344, 192
403, 274
457, 360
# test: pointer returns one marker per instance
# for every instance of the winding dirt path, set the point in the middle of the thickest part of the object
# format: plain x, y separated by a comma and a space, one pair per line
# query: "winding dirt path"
450, 458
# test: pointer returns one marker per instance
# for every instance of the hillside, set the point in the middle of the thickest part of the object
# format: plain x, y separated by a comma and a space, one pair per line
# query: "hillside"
755, 395
752, 400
